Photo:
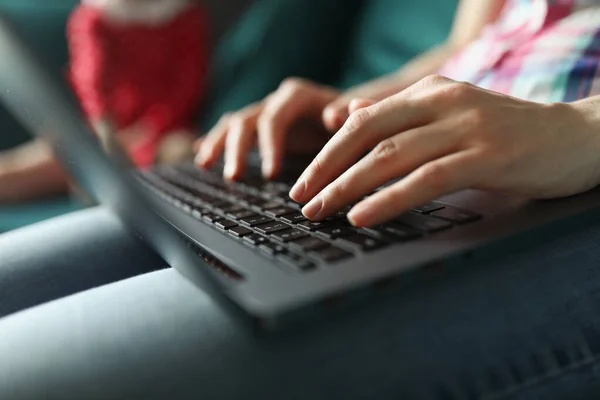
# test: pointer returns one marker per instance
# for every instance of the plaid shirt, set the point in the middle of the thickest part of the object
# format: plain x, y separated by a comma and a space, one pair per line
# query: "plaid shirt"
540, 50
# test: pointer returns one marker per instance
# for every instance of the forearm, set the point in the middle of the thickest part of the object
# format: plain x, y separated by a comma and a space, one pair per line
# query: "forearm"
421, 66
589, 108
30, 172
472, 16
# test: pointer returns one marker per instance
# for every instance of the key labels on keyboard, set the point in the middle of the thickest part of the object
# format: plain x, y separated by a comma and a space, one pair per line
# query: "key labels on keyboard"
271, 227
262, 215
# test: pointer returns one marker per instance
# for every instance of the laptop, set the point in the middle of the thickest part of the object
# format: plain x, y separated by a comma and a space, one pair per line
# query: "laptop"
247, 244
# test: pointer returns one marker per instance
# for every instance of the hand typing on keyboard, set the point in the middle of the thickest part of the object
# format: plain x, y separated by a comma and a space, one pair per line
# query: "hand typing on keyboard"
298, 117
288, 119
444, 136
261, 215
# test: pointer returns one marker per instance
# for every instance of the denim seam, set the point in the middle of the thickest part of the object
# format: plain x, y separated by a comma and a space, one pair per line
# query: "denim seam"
540, 379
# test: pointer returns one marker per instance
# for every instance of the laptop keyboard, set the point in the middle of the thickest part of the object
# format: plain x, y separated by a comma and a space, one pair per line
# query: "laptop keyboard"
264, 217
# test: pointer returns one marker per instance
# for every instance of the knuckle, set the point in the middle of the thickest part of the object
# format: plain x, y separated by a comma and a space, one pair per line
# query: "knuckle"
458, 89
268, 119
433, 80
435, 176
338, 189
386, 151
225, 118
273, 113
292, 84
475, 117
317, 166
358, 119
240, 122
453, 92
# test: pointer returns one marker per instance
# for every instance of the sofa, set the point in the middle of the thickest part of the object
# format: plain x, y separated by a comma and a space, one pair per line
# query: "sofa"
336, 42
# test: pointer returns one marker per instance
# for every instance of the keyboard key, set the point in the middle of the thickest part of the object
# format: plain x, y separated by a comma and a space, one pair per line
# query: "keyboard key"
342, 214
295, 261
308, 244
330, 254
429, 207
255, 239
393, 232
241, 214
251, 199
211, 218
267, 205
335, 232
252, 183
240, 231
289, 235
233, 208
224, 207
197, 213
275, 189
271, 227
423, 223
233, 193
292, 204
314, 225
293, 218
218, 205
255, 220
362, 242
457, 215
225, 224
206, 199
279, 211
272, 248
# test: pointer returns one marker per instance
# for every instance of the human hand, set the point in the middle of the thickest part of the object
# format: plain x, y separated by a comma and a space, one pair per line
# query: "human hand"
176, 147
127, 139
444, 136
288, 119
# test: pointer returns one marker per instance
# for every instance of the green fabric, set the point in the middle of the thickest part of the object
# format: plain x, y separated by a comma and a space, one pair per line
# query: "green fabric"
277, 39
336, 42
42, 24
25, 214
391, 32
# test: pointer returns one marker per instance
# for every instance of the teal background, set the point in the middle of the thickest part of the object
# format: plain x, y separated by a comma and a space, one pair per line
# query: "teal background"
336, 42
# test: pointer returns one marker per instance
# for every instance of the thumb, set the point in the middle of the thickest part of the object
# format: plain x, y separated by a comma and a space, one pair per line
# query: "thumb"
357, 104
335, 115
197, 144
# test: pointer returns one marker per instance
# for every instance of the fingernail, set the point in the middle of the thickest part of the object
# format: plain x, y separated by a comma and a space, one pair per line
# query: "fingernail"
298, 190
229, 171
204, 156
267, 169
199, 160
312, 209
361, 215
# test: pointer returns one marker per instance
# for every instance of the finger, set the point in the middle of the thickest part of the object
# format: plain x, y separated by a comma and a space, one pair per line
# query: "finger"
335, 114
239, 142
197, 144
429, 182
363, 130
283, 108
357, 104
213, 143
390, 159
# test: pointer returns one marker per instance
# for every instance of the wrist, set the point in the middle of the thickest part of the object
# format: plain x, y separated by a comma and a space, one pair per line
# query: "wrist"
581, 120
587, 111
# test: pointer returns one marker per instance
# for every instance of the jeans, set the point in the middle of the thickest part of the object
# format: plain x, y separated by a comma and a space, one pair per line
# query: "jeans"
90, 312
